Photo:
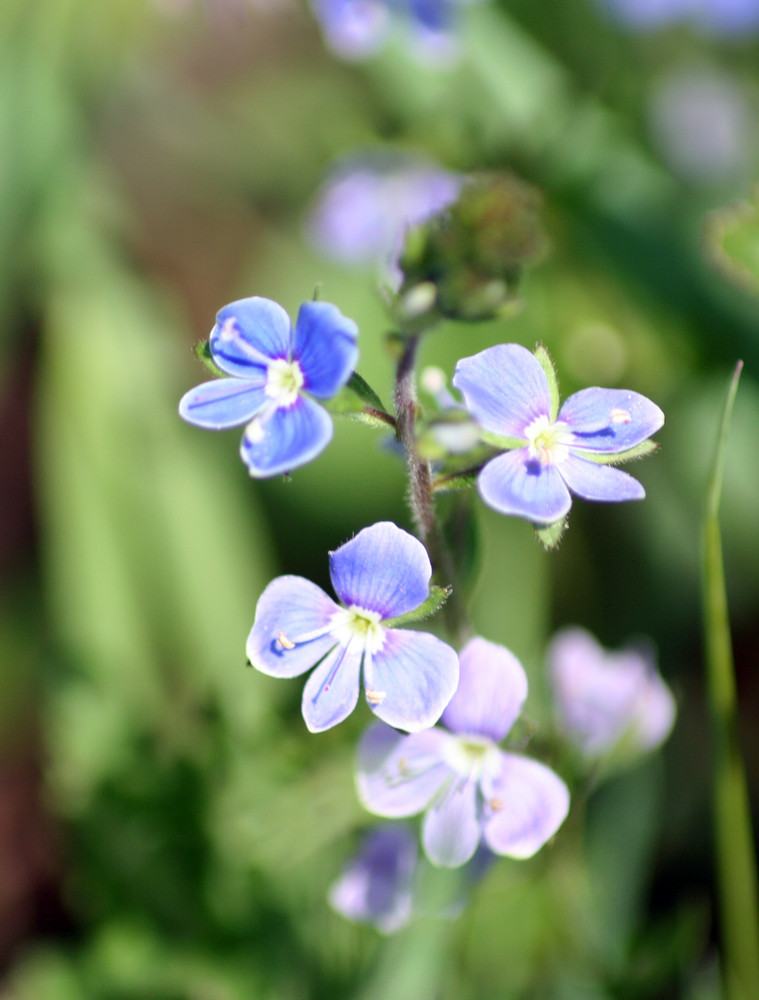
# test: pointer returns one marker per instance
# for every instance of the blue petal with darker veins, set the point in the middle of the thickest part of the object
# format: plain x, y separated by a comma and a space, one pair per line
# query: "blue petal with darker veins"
504, 388
382, 569
513, 483
491, 692
331, 692
222, 403
610, 420
451, 829
599, 482
248, 333
415, 674
292, 436
325, 348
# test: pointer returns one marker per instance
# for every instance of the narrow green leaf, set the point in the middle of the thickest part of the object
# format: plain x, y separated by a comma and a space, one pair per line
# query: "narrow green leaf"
438, 597
734, 842
358, 400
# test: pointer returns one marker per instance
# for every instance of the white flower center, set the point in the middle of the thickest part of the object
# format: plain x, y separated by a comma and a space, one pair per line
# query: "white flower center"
358, 623
284, 380
548, 443
471, 756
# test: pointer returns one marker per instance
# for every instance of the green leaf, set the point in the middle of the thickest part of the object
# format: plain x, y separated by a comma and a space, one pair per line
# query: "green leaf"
438, 597
357, 399
639, 451
546, 363
455, 481
549, 535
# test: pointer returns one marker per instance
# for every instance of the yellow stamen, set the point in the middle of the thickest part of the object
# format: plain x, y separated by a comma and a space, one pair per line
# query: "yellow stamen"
284, 642
375, 697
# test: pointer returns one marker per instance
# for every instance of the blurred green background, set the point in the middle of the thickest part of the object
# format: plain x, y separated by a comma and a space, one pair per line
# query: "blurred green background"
168, 829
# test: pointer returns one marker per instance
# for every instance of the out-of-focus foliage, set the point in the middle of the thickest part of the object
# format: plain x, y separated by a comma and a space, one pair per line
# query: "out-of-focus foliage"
169, 829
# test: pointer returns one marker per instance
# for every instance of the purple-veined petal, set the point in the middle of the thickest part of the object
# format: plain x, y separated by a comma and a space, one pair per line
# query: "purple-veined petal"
324, 347
291, 607
599, 482
331, 692
383, 569
525, 804
248, 333
398, 775
491, 692
610, 420
504, 389
411, 679
292, 436
451, 830
376, 885
224, 402
514, 483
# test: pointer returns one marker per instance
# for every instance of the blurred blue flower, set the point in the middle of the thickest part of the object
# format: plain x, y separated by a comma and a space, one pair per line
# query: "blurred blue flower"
719, 17
376, 886
356, 29
382, 573
607, 702
468, 788
274, 371
365, 208
507, 391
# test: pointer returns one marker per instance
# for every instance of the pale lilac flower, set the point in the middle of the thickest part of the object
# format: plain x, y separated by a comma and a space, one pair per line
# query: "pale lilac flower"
607, 701
275, 371
718, 17
365, 208
550, 456
376, 886
381, 574
468, 788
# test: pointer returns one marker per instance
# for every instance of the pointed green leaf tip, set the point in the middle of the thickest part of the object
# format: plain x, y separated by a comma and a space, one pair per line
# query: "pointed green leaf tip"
546, 363
549, 535
202, 352
438, 597
358, 400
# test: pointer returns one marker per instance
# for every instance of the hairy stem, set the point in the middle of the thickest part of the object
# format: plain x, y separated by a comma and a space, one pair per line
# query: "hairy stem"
421, 499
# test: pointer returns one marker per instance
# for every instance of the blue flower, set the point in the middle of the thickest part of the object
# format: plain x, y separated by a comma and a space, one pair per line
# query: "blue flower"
719, 17
382, 573
608, 703
507, 392
468, 788
274, 371
376, 886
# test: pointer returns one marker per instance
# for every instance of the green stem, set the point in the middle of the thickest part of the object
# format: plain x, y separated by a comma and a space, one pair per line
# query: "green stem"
736, 866
421, 499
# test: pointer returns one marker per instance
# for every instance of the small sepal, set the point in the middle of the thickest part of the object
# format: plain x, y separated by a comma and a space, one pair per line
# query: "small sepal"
438, 597
605, 458
358, 400
545, 361
549, 535
202, 352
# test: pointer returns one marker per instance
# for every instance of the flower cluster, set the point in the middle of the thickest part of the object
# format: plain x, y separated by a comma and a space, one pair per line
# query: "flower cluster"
442, 714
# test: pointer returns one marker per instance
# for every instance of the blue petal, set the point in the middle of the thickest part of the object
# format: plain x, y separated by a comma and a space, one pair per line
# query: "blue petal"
376, 886
400, 775
610, 420
225, 402
325, 348
382, 569
293, 435
248, 333
452, 829
293, 607
525, 804
513, 483
599, 482
504, 389
331, 692
491, 692
416, 674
